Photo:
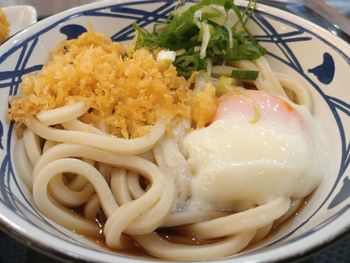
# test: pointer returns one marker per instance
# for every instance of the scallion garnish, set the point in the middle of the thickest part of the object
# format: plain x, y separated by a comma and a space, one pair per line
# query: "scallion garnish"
245, 74
204, 25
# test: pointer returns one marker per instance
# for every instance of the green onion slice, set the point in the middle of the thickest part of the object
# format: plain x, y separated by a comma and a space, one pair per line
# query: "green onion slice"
245, 74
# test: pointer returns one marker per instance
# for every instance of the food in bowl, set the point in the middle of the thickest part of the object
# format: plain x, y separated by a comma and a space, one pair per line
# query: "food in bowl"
180, 148
4, 26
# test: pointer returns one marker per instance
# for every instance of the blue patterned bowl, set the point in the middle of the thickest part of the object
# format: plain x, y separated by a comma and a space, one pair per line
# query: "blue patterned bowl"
314, 56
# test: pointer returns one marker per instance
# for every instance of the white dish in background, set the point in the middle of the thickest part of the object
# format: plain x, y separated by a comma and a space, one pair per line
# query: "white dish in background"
20, 17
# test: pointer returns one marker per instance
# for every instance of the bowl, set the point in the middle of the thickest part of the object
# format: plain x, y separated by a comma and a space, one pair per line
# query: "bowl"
20, 17
295, 46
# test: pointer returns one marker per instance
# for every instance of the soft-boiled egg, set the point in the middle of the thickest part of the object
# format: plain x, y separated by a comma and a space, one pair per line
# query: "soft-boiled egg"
257, 148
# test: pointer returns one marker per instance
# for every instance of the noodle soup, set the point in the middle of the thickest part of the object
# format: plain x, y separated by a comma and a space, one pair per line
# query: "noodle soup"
185, 151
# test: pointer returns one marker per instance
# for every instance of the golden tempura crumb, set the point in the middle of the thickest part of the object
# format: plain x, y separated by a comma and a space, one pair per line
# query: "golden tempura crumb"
204, 106
4, 26
127, 93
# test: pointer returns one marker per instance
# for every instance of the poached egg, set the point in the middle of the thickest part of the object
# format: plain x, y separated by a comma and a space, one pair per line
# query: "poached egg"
258, 147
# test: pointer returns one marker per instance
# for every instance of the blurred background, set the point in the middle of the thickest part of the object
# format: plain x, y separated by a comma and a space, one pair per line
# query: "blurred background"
49, 7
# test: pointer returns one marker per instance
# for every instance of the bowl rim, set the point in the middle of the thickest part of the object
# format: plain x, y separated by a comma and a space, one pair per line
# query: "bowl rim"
34, 242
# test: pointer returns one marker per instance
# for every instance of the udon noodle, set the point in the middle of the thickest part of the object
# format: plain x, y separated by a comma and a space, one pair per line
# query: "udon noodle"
150, 185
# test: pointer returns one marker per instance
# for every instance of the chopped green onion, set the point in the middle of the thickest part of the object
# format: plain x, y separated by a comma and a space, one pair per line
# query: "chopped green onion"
245, 74
213, 14
203, 32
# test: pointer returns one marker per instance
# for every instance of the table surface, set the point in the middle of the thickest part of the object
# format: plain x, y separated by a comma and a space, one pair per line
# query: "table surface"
12, 251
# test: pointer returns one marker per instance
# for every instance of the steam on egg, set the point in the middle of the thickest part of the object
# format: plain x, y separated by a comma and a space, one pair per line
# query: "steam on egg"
257, 148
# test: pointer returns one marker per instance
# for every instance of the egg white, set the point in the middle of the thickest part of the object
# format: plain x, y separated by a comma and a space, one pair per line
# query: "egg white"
234, 161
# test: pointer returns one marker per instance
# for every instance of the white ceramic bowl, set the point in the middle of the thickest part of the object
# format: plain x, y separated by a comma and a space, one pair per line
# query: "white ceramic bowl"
297, 47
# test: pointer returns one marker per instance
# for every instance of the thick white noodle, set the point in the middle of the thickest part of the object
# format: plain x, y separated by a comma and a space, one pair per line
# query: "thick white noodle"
221, 70
190, 217
152, 210
32, 145
48, 145
302, 93
254, 218
261, 233
76, 125
228, 246
62, 114
119, 186
292, 210
141, 216
108, 143
61, 214
77, 183
23, 165
134, 186
105, 170
67, 197
92, 207
269, 77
